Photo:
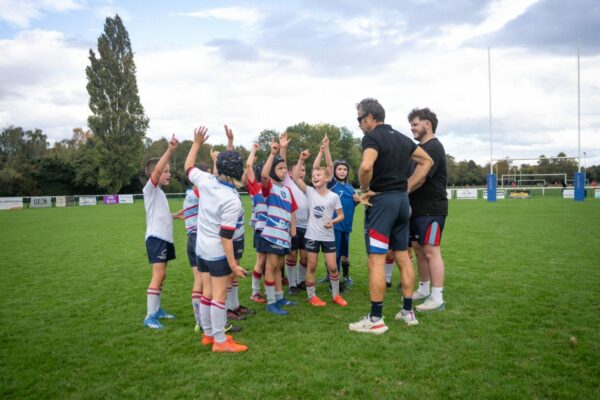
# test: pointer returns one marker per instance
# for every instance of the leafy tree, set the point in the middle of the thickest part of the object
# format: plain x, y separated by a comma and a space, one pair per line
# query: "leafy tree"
118, 121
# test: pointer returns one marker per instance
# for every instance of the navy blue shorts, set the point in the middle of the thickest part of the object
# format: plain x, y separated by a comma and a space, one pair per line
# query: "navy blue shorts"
238, 248
264, 246
256, 241
159, 251
342, 244
314, 246
191, 249
427, 229
298, 240
387, 223
216, 268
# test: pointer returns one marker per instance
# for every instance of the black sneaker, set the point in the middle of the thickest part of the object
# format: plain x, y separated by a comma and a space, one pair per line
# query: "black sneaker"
244, 311
302, 285
388, 284
293, 290
234, 316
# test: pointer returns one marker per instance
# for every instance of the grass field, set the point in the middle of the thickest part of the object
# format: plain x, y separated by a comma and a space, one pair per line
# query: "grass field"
523, 278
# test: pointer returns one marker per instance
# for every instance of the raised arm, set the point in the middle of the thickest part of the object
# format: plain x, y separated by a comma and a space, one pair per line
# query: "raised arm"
200, 136
424, 164
269, 163
229, 134
328, 160
318, 158
296, 172
283, 144
164, 160
249, 171
213, 155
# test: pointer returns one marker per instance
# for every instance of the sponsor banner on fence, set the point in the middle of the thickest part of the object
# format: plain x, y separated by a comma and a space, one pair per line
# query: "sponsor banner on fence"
500, 194
87, 200
597, 193
71, 201
41, 202
11, 203
470, 194
125, 199
111, 199
61, 201
519, 194
568, 193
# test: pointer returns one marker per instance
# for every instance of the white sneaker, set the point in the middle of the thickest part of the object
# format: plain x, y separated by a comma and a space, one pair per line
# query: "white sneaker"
419, 296
365, 325
430, 305
408, 317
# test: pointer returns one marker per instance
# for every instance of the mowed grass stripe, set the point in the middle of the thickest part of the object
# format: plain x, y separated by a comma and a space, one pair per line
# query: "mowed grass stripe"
522, 279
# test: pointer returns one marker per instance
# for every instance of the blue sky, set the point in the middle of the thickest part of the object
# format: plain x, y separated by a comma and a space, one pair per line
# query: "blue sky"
269, 64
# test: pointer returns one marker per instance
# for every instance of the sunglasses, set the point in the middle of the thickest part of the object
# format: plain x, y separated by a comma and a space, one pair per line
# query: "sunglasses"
359, 119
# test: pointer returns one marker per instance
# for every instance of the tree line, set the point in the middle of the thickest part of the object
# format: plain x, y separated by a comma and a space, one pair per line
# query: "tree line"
30, 166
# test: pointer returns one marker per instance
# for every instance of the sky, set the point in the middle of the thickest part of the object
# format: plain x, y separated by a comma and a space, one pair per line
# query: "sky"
269, 64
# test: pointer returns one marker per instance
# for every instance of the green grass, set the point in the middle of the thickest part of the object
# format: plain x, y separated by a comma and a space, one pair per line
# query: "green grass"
523, 277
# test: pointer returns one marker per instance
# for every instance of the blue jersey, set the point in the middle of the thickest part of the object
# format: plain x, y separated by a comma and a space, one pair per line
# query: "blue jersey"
346, 192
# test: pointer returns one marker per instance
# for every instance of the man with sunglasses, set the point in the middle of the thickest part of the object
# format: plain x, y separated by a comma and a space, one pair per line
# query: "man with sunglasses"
383, 176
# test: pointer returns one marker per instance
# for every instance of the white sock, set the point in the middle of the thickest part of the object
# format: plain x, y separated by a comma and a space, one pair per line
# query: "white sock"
235, 298
437, 293
389, 268
228, 299
256, 276
278, 296
152, 301
205, 319
301, 273
335, 284
292, 274
270, 292
196, 305
310, 289
218, 319
424, 287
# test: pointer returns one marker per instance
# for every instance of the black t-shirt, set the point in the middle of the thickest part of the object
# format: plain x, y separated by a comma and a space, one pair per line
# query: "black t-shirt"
391, 168
431, 198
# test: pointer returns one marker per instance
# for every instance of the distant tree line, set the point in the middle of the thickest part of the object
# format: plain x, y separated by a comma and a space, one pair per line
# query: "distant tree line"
30, 166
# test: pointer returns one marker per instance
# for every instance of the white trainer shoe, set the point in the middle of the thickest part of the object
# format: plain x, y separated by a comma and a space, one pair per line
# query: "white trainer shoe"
419, 296
430, 305
408, 317
365, 325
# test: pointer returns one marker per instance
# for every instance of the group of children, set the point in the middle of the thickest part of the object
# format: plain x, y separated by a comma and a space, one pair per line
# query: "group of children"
292, 223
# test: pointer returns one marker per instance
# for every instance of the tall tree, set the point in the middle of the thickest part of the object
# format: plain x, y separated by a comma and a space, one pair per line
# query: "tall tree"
118, 121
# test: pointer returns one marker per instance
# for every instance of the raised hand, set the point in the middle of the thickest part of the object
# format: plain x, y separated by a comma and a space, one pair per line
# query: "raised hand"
173, 142
283, 140
274, 147
304, 155
200, 135
326, 141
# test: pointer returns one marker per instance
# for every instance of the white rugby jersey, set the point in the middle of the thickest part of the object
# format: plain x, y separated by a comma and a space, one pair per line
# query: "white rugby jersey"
220, 207
321, 208
301, 202
159, 221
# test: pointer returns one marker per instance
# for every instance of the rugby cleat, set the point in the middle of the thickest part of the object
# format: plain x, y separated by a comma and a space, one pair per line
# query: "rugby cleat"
316, 301
283, 302
162, 314
208, 340
339, 300
232, 328
258, 298
152, 322
234, 316
274, 309
244, 311
408, 317
229, 346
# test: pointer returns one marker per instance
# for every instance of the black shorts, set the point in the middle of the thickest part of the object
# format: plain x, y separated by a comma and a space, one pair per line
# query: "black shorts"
256, 240
314, 246
191, 249
216, 268
427, 229
159, 251
298, 240
264, 246
238, 248
387, 223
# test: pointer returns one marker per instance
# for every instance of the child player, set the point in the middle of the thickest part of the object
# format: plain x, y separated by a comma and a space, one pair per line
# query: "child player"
322, 203
280, 227
339, 172
159, 232
257, 220
218, 213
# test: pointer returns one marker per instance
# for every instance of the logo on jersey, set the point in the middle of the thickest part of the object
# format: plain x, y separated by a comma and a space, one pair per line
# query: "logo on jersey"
319, 211
284, 194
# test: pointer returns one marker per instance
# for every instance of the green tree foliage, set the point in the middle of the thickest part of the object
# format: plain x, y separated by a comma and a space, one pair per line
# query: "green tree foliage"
118, 121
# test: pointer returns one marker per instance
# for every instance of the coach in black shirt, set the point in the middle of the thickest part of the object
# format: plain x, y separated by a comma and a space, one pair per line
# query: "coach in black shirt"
383, 176
429, 204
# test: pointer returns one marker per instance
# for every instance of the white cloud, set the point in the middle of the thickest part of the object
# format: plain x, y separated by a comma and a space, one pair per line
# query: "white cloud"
21, 12
248, 16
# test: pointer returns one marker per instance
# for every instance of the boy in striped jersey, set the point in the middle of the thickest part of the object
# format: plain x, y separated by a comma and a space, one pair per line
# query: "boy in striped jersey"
280, 227
257, 220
